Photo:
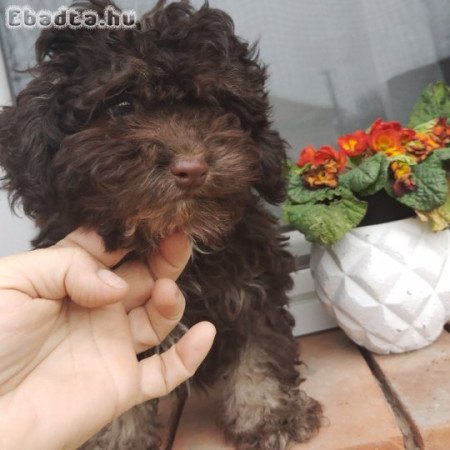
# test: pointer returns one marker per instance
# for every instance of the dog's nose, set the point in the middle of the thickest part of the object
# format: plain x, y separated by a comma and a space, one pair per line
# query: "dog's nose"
189, 173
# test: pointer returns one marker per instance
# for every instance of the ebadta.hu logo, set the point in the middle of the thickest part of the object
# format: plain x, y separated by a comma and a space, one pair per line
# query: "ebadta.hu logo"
65, 17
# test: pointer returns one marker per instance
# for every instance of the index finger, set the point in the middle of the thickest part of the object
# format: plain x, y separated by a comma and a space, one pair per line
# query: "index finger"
92, 243
174, 253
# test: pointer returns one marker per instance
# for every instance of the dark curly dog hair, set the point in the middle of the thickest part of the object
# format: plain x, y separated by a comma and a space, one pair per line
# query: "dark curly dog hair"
165, 126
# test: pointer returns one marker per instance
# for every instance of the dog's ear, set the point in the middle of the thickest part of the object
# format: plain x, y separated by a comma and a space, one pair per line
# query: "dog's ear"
271, 184
28, 136
237, 77
32, 129
29, 130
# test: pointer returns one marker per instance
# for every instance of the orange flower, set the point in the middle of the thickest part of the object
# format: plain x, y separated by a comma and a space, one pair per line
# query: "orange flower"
403, 181
441, 132
386, 137
401, 170
353, 144
422, 146
324, 175
325, 165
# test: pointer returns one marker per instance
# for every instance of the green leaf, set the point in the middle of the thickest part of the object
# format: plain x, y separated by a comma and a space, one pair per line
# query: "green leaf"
438, 218
293, 168
431, 182
442, 153
326, 223
426, 127
403, 158
369, 177
434, 102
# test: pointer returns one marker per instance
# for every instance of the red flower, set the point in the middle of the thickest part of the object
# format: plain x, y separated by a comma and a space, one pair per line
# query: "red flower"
386, 137
328, 154
389, 125
353, 144
306, 156
407, 135
322, 156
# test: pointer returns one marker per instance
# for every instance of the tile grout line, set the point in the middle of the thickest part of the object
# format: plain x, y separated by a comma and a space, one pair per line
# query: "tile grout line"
411, 435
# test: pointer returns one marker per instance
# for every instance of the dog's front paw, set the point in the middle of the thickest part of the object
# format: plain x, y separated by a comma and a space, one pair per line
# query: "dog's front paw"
277, 428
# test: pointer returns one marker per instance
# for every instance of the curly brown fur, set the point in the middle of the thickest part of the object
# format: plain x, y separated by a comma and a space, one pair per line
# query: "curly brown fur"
92, 141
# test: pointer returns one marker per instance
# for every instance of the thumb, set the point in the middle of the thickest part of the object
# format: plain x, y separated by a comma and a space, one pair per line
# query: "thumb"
58, 272
161, 373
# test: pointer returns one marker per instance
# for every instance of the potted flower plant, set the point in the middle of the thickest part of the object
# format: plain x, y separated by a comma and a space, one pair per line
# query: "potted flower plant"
379, 268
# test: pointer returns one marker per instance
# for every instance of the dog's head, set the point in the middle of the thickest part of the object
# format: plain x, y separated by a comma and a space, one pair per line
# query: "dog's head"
137, 132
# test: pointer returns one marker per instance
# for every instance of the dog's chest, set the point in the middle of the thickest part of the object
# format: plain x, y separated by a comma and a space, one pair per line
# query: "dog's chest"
216, 287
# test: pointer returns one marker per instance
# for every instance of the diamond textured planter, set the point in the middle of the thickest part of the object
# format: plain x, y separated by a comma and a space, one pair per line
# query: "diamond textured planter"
387, 285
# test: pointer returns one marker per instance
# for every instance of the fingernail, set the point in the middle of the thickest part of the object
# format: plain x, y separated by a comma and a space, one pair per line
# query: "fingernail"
111, 279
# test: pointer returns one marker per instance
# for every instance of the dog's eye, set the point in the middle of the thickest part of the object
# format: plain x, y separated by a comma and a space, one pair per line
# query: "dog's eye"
121, 109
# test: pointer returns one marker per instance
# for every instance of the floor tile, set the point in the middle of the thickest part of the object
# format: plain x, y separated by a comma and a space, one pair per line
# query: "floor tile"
421, 382
358, 416
357, 413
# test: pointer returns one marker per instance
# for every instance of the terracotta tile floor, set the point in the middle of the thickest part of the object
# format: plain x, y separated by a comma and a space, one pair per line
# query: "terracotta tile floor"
371, 402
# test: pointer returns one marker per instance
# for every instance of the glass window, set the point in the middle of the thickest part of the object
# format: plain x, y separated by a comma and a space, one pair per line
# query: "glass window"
334, 65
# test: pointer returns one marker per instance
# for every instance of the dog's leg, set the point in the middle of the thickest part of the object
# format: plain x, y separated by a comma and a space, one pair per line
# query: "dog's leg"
263, 407
133, 430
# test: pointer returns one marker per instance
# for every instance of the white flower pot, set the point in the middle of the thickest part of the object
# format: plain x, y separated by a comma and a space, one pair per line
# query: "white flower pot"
387, 285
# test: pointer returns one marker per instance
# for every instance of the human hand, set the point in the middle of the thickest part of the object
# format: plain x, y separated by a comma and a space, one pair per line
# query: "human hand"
69, 333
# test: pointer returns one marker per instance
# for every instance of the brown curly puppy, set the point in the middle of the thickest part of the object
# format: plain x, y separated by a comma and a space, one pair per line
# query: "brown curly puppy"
138, 132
